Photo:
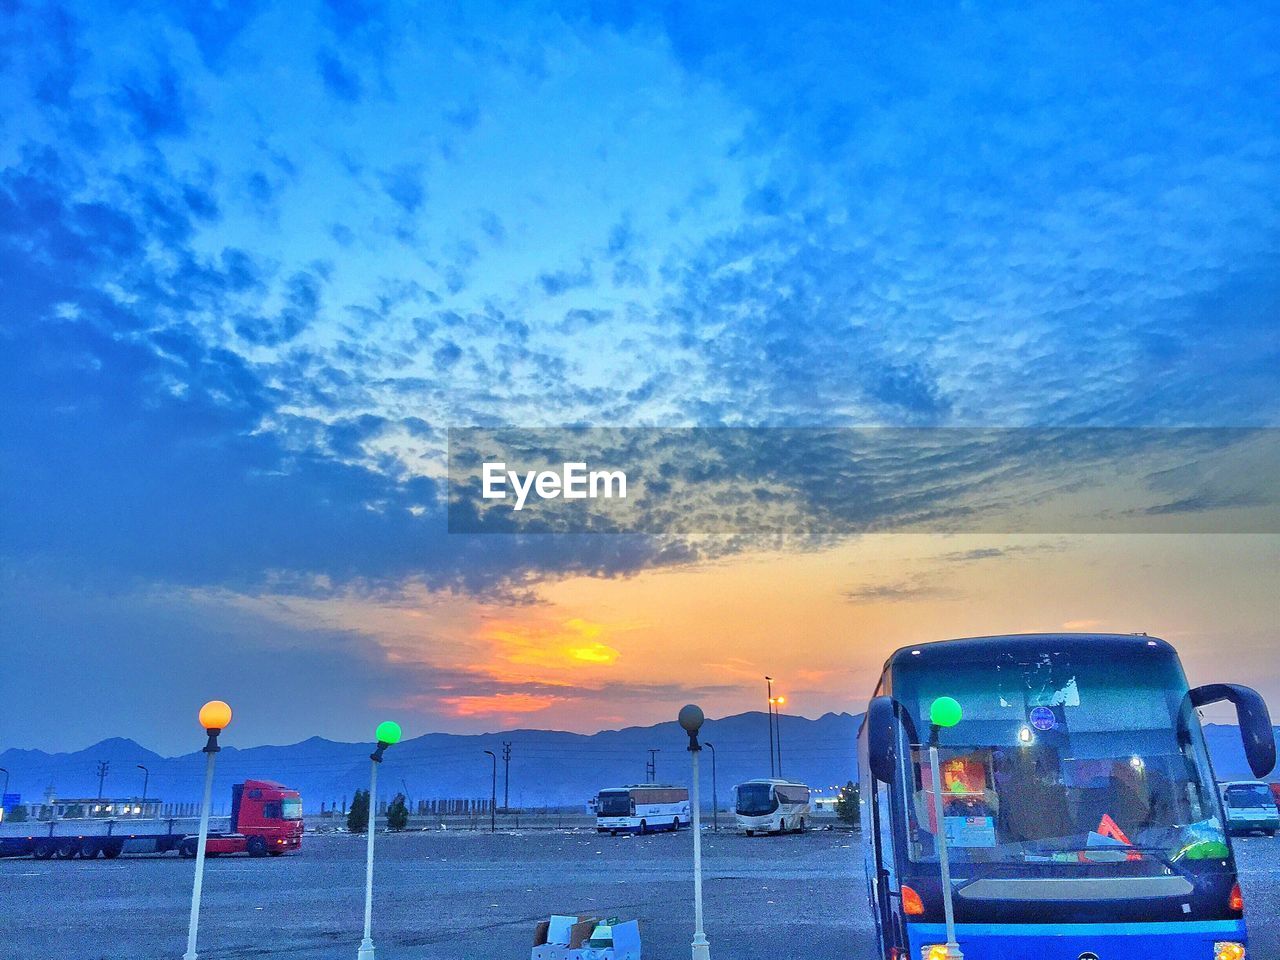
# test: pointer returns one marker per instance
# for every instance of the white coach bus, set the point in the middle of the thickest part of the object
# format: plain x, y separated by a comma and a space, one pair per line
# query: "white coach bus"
771, 806
642, 808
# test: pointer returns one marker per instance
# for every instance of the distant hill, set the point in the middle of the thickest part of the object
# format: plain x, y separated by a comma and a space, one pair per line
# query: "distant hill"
548, 768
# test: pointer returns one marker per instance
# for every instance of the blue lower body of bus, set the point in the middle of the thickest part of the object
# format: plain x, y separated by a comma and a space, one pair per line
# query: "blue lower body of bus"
1188, 940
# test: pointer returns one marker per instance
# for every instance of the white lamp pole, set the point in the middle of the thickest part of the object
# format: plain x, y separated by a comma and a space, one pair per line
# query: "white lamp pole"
214, 717
388, 733
943, 712
691, 719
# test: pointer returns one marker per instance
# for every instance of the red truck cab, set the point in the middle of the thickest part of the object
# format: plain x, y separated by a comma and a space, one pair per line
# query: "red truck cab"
266, 819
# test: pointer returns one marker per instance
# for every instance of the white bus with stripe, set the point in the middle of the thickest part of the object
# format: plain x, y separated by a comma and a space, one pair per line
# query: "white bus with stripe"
642, 808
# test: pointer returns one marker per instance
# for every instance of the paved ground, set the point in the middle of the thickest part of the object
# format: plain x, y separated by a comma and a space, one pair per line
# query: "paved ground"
467, 896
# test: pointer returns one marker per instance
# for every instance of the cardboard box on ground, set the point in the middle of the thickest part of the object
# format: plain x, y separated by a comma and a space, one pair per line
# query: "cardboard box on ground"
585, 938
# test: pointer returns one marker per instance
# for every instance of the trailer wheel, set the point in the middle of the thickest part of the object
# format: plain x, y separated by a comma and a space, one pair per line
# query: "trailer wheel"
89, 850
256, 847
187, 848
65, 851
43, 850
113, 850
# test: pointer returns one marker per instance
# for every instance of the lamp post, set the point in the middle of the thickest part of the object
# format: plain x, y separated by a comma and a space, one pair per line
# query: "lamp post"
146, 779
3, 792
387, 734
777, 728
769, 682
493, 793
691, 718
215, 716
943, 712
715, 802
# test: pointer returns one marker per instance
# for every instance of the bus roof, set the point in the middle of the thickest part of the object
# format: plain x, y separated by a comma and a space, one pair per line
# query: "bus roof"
646, 786
943, 651
785, 783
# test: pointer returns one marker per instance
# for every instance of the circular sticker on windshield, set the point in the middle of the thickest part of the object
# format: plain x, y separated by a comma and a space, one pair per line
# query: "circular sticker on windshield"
1042, 718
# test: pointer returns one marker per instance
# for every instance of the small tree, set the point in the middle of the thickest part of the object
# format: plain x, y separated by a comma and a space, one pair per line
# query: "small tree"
358, 812
398, 813
847, 803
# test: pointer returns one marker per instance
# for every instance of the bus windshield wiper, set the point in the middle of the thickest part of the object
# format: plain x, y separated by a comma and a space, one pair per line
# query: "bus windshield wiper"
1155, 853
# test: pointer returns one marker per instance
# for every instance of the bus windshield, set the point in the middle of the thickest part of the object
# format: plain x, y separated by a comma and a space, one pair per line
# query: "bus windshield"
614, 803
1062, 763
756, 799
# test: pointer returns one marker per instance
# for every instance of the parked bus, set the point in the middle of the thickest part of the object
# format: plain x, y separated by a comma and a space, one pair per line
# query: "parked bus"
1080, 813
1250, 806
771, 806
642, 808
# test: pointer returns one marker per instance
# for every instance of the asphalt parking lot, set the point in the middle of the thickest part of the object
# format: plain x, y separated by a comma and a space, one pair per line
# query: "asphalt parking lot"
465, 896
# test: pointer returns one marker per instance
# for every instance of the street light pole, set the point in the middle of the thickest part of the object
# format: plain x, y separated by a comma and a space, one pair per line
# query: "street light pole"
769, 682
493, 793
146, 779
777, 728
214, 717
387, 734
944, 712
691, 719
715, 803
3, 792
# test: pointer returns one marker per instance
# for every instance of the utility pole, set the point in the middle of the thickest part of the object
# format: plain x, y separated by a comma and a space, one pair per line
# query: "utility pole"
651, 768
103, 766
506, 775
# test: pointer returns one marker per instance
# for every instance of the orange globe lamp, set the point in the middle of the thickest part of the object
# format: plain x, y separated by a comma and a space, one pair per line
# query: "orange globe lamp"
215, 715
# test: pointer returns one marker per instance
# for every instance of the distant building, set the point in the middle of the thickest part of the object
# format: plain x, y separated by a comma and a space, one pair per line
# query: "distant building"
96, 808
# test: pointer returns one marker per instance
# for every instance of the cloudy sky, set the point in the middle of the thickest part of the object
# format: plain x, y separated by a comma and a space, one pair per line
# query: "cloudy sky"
256, 259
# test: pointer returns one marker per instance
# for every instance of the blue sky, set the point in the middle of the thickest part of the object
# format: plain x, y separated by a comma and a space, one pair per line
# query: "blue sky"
256, 258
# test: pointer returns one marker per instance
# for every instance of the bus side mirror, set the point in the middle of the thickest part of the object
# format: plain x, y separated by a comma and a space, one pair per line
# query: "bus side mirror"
882, 738
1255, 721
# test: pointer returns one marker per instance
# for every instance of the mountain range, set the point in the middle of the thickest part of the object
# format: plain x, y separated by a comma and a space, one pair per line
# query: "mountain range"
547, 768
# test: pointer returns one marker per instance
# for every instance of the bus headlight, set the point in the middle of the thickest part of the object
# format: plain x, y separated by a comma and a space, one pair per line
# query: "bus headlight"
1228, 950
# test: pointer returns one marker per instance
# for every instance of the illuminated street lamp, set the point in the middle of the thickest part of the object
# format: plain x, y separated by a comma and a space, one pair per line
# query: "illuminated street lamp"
769, 682
943, 712
691, 718
214, 717
387, 734
777, 727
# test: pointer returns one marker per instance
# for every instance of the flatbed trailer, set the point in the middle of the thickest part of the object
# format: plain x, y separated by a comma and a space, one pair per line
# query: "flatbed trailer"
266, 819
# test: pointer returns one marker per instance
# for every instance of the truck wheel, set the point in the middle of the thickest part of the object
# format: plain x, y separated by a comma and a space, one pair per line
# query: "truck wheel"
89, 850
43, 850
65, 851
113, 850
187, 848
256, 847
